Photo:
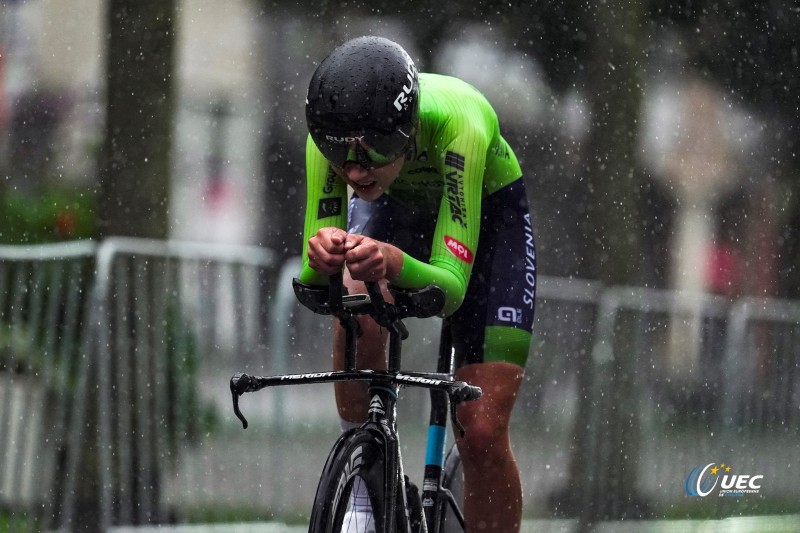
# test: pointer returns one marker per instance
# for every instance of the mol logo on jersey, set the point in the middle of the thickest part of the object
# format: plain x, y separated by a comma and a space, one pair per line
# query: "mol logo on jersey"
458, 249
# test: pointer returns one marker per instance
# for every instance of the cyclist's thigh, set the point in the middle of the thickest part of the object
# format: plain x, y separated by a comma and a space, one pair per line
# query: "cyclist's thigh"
496, 319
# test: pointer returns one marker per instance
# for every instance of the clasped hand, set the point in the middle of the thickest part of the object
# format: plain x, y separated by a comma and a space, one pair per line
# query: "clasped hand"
366, 259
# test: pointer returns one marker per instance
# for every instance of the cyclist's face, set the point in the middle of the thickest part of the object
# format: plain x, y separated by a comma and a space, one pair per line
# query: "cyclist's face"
369, 184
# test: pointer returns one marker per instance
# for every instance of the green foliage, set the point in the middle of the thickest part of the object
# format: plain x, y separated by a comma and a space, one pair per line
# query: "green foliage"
59, 214
189, 416
17, 522
220, 514
17, 352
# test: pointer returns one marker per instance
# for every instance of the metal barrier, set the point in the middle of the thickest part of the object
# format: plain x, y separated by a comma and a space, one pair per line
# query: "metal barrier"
761, 410
552, 398
168, 321
674, 389
42, 321
627, 390
650, 398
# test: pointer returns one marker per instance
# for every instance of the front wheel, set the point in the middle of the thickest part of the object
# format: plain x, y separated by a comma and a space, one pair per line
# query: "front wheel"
453, 480
357, 458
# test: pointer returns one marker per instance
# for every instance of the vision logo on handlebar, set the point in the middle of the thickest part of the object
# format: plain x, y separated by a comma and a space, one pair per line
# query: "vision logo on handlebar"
420, 380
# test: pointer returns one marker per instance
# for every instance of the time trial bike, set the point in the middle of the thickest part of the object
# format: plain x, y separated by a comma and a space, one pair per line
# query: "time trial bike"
370, 454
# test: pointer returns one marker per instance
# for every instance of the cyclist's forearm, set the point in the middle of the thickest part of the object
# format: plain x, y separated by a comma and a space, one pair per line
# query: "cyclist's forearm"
309, 276
417, 274
394, 259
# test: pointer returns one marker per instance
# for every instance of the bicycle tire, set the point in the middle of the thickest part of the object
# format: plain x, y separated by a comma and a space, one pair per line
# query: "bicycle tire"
453, 480
358, 456
416, 516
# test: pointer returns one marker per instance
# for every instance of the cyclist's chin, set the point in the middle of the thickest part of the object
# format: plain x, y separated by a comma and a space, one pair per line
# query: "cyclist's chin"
369, 193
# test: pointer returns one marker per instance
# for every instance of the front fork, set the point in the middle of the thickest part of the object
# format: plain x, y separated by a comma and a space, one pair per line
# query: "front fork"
381, 413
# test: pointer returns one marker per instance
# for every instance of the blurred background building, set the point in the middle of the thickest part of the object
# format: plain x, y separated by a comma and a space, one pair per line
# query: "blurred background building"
711, 203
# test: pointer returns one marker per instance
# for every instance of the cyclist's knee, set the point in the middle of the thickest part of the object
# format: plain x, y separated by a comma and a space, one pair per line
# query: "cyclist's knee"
484, 439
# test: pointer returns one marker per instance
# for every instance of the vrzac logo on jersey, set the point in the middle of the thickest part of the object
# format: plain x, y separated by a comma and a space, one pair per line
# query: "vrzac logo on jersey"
454, 188
455, 160
402, 99
455, 197
458, 249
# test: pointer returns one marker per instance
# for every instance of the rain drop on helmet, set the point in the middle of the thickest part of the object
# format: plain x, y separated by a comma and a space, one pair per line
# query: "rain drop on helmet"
363, 102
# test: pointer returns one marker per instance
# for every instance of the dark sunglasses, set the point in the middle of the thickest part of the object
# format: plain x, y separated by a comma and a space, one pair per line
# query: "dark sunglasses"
369, 148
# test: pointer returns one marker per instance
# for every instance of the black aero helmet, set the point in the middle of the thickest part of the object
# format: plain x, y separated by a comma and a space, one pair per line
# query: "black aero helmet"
363, 102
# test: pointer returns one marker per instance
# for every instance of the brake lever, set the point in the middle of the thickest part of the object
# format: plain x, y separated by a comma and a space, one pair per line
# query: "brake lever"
236, 410
461, 392
240, 383
456, 422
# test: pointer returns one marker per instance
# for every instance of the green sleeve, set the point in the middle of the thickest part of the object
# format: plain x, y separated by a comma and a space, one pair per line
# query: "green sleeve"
464, 143
418, 274
326, 205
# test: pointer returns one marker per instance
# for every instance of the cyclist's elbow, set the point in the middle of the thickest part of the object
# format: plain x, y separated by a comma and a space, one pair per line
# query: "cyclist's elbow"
453, 300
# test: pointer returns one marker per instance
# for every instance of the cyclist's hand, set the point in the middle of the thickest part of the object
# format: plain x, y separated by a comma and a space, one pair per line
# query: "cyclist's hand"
326, 251
371, 260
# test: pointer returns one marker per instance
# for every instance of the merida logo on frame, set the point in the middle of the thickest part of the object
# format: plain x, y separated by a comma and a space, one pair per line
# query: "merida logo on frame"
703, 480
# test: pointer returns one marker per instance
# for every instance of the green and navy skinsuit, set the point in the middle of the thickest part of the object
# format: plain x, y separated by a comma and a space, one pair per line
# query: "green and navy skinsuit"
459, 213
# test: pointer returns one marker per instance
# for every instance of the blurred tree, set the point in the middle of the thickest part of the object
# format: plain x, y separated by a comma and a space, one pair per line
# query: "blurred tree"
283, 160
605, 57
750, 49
595, 50
612, 188
135, 164
133, 196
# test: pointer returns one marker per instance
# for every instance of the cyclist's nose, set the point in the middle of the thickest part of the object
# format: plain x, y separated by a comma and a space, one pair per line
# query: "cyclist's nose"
354, 172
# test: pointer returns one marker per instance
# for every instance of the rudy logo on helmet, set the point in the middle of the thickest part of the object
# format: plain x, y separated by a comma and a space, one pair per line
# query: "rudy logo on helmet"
402, 99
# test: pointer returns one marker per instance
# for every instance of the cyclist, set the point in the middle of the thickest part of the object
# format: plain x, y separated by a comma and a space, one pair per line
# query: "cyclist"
438, 199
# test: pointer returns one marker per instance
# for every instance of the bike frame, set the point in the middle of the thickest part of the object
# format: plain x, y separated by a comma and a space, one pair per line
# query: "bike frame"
434, 495
383, 391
